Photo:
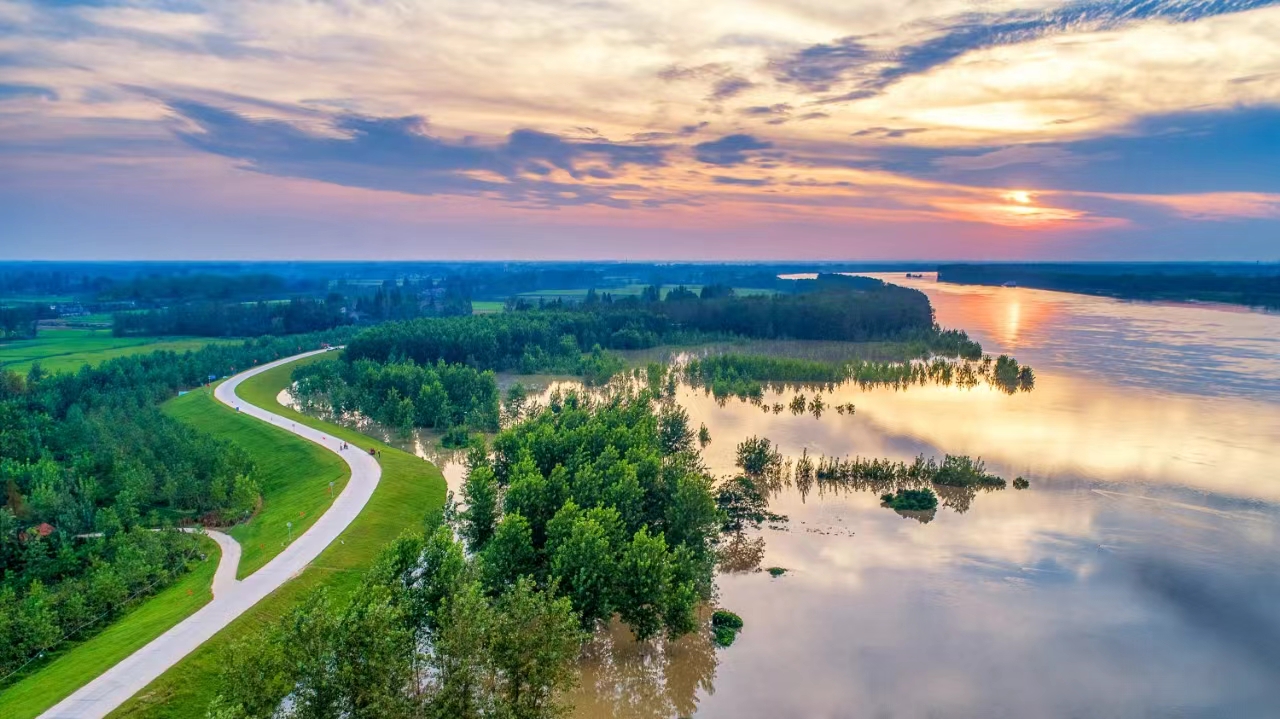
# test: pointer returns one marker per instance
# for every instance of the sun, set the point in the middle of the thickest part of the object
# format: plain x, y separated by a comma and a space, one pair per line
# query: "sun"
1022, 197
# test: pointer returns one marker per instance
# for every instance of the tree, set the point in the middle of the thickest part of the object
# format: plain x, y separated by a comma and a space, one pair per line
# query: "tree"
480, 492
534, 651
674, 435
510, 555
644, 583
460, 656
584, 566
758, 458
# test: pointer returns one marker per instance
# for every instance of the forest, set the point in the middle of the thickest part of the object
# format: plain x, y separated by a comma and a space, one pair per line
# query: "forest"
402, 395
88, 463
586, 511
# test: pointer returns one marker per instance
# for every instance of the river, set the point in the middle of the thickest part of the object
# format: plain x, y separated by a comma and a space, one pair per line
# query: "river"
1138, 575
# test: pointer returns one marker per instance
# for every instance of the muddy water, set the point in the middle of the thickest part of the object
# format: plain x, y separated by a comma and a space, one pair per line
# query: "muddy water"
1137, 577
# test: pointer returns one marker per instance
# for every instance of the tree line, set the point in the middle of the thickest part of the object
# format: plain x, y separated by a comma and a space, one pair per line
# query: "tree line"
542, 339
234, 319
748, 376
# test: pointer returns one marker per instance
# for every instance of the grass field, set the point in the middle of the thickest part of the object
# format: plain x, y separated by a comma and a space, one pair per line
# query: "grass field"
71, 669
15, 300
292, 473
408, 490
580, 293
67, 350
484, 307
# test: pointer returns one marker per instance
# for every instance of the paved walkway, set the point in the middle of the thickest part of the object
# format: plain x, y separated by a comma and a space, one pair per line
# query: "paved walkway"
231, 598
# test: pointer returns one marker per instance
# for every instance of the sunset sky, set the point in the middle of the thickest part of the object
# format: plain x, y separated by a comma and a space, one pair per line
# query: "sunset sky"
708, 129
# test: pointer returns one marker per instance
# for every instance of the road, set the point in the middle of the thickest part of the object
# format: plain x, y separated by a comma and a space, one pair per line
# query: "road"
231, 598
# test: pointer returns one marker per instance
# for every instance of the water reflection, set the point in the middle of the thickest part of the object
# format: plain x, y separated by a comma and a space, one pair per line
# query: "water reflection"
626, 679
1134, 578
1200, 349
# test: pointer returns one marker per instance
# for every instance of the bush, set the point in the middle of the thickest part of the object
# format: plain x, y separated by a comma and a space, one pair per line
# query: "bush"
724, 636
727, 619
911, 500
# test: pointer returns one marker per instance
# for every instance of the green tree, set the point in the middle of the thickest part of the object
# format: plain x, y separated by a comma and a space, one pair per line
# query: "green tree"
534, 650
478, 519
644, 579
460, 656
509, 555
585, 568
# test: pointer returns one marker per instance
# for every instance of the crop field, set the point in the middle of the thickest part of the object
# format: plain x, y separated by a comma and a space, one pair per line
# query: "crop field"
67, 350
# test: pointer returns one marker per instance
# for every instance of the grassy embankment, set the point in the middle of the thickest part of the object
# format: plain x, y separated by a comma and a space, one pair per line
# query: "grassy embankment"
408, 490
67, 350
292, 474
73, 668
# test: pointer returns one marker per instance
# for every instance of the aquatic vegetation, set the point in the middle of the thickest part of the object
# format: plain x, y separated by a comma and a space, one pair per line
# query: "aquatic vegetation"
911, 500
456, 437
758, 457
750, 376
724, 636
726, 618
744, 502
964, 471
725, 626
798, 404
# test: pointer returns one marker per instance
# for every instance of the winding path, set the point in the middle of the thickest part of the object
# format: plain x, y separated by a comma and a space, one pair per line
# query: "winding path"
231, 598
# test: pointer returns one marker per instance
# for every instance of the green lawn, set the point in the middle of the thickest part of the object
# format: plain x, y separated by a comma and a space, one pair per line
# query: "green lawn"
409, 489
292, 473
72, 668
66, 350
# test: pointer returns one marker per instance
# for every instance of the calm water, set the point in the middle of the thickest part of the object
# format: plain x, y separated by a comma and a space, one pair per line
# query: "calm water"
1137, 577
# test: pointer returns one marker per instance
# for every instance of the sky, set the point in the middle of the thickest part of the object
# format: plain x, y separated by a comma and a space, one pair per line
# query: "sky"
663, 129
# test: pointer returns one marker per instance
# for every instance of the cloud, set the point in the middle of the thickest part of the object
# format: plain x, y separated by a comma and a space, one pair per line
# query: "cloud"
780, 108
744, 181
400, 154
728, 87
1209, 206
729, 150
889, 132
822, 67
1005, 156
817, 67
